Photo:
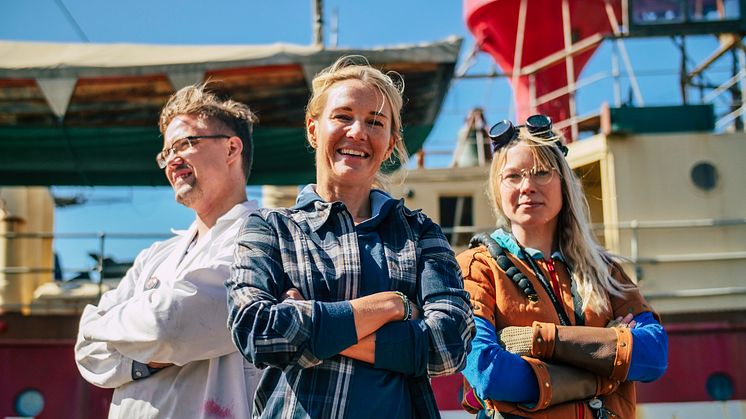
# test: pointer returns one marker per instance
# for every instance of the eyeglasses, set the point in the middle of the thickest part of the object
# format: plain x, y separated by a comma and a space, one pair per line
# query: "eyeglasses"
514, 178
181, 145
538, 125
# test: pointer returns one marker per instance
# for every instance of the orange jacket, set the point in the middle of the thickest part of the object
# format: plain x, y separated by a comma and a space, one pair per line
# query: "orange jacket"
497, 299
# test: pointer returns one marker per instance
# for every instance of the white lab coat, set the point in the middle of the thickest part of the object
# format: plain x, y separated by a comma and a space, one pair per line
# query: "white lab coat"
170, 310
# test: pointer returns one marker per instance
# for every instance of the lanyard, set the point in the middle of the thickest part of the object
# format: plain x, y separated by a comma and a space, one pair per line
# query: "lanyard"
577, 304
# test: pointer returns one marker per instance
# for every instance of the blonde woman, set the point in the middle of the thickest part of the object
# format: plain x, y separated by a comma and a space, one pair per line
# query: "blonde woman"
348, 299
561, 330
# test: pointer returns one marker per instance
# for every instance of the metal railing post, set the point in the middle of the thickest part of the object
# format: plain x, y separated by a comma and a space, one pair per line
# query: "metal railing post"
634, 248
100, 267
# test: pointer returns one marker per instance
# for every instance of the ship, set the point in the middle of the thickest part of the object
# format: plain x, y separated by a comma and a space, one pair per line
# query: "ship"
665, 184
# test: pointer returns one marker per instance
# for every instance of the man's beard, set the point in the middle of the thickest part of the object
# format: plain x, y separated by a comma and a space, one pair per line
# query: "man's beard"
188, 194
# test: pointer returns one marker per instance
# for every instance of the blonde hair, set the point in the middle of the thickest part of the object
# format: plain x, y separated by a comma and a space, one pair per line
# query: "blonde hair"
589, 262
391, 86
235, 116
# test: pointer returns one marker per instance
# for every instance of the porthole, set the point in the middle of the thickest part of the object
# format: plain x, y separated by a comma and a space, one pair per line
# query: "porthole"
29, 402
705, 176
719, 386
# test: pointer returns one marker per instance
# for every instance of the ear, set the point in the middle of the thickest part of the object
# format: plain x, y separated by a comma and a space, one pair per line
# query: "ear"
235, 148
390, 150
311, 132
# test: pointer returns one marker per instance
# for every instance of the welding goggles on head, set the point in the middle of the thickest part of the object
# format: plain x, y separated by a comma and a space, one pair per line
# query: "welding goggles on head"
503, 132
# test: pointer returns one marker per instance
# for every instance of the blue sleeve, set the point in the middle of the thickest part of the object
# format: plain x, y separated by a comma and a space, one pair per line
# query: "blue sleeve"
334, 325
649, 349
497, 374
402, 347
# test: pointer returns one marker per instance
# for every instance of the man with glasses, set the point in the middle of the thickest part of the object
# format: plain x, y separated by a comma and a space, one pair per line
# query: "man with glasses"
160, 339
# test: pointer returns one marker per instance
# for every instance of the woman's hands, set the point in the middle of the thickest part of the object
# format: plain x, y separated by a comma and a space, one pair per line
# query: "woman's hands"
625, 322
294, 293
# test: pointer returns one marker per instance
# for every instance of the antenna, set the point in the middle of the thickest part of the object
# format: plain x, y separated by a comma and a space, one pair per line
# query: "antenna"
334, 35
318, 23
73, 22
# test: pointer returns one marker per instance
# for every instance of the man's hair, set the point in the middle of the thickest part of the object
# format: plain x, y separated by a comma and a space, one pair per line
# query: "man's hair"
236, 116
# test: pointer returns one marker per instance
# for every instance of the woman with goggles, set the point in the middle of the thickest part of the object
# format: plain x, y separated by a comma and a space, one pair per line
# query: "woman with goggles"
562, 332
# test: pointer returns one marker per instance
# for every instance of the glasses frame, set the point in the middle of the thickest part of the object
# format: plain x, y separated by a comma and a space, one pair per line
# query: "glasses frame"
530, 174
165, 155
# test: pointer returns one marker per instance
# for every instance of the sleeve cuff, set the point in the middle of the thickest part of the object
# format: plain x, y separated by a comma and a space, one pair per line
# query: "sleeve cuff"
398, 350
335, 330
544, 382
471, 402
544, 337
623, 354
140, 370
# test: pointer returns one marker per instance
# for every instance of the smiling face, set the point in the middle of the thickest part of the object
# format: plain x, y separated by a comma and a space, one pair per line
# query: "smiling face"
198, 174
529, 204
352, 135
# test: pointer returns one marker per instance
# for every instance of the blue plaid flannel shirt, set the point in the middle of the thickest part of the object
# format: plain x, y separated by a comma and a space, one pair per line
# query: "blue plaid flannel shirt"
313, 247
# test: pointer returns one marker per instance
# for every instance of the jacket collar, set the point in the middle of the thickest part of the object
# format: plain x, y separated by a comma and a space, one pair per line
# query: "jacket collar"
509, 243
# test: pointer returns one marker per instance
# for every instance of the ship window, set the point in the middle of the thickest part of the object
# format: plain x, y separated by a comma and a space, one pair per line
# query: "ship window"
705, 176
29, 402
647, 12
457, 219
719, 386
657, 11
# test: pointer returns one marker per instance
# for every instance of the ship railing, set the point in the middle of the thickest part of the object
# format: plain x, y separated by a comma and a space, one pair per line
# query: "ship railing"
638, 261
634, 256
101, 238
637, 226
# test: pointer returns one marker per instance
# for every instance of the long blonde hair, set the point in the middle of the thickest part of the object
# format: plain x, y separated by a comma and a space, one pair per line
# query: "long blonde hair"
391, 86
588, 260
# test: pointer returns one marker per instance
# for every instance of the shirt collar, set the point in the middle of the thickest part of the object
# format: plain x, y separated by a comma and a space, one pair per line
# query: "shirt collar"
509, 242
238, 211
381, 204
318, 210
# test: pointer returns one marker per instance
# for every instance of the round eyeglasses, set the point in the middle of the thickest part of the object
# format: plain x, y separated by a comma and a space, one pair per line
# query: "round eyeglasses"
181, 145
514, 178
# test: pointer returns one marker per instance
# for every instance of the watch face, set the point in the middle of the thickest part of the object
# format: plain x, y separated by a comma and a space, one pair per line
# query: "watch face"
29, 402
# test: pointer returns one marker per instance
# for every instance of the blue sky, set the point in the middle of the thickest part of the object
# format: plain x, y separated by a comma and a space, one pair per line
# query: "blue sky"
360, 24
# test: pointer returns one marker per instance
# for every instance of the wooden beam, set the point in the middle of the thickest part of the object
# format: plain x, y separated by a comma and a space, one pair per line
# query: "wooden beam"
577, 48
727, 42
